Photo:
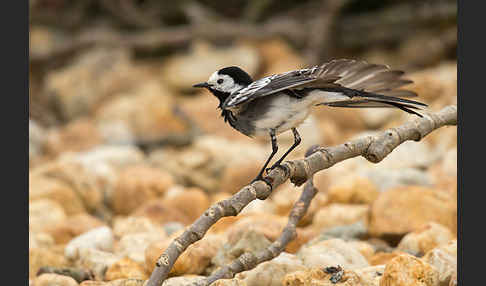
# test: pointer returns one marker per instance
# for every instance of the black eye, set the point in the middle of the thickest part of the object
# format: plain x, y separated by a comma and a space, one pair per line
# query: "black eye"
220, 81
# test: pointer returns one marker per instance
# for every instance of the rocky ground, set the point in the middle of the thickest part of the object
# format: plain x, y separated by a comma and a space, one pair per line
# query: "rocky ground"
140, 155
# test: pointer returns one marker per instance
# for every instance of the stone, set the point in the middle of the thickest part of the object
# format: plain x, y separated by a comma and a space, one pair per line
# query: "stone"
138, 184
371, 275
134, 245
366, 249
406, 269
318, 276
332, 252
269, 225
271, 273
352, 190
100, 238
381, 258
247, 241
97, 261
184, 70
179, 200
125, 268
51, 279
142, 115
37, 139
126, 282
73, 226
346, 232
77, 89
39, 257
124, 225
424, 239
42, 187
405, 209
77, 135
438, 81
172, 227
278, 56
183, 280
387, 179
43, 213
340, 214
444, 259
40, 240
159, 212
194, 260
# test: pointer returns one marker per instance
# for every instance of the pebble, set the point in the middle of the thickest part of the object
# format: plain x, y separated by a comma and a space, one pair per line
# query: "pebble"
444, 259
44, 213
198, 198
125, 268
406, 269
51, 279
73, 226
134, 245
424, 239
340, 214
97, 261
100, 238
39, 257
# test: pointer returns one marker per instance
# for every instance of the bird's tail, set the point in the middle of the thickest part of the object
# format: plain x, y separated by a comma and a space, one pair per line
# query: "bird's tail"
364, 85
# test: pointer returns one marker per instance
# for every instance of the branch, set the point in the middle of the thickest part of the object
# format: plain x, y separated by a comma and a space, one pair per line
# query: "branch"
373, 148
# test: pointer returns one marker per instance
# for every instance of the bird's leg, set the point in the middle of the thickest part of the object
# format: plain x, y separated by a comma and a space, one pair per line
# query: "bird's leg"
297, 141
274, 151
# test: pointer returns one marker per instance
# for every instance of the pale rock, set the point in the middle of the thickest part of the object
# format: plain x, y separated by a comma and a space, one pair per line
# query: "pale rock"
43, 213
332, 252
97, 261
183, 280
371, 275
408, 270
126, 282
340, 214
138, 184
172, 227
134, 245
160, 213
194, 260
51, 279
357, 230
198, 198
317, 276
381, 258
366, 249
424, 239
100, 238
40, 240
132, 224
405, 209
73, 226
444, 259
352, 190
271, 273
269, 225
37, 139
125, 268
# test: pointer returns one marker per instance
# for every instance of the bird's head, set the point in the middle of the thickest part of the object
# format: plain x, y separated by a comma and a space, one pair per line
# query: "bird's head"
225, 81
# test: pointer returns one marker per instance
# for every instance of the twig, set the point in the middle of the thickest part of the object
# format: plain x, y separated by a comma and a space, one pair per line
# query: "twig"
248, 260
373, 148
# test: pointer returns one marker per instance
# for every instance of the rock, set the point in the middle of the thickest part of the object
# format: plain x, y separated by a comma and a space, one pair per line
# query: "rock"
271, 273
229, 282
51, 279
371, 275
387, 179
43, 213
352, 231
194, 260
39, 257
126, 282
134, 245
424, 239
40, 240
78, 274
269, 225
406, 269
405, 209
97, 261
340, 214
73, 226
133, 224
364, 248
77, 135
444, 259
159, 212
375, 118
332, 252
138, 184
203, 163
93, 283
381, 258
42, 187
100, 238
37, 139
278, 56
247, 241
125, 268
78, 89
436, 82
352, 190
198, 198
182, 71
115, 156
144, 114
317, 276
172, 227
183, 280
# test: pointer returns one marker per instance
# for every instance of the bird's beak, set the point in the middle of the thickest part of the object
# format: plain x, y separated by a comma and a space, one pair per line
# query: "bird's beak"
202, 84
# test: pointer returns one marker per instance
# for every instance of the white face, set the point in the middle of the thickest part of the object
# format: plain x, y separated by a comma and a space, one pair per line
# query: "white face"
223, 82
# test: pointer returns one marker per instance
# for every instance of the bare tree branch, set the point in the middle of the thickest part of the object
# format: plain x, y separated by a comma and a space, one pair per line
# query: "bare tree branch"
373, 148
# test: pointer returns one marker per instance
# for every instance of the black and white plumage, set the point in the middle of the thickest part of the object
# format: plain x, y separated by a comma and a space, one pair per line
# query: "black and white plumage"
281, 102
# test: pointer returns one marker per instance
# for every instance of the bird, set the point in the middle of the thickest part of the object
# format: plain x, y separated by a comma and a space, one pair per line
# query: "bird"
281, 102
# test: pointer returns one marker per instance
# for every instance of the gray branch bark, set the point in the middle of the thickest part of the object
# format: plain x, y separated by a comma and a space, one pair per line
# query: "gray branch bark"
373, 148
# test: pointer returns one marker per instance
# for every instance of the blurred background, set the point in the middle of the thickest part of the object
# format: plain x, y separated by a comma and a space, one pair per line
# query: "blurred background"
117, 135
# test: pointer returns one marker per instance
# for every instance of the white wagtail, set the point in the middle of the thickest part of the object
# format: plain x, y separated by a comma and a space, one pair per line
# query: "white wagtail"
277, 103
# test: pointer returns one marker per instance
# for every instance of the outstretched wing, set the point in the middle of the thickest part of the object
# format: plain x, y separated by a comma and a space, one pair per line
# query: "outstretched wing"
346, 73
